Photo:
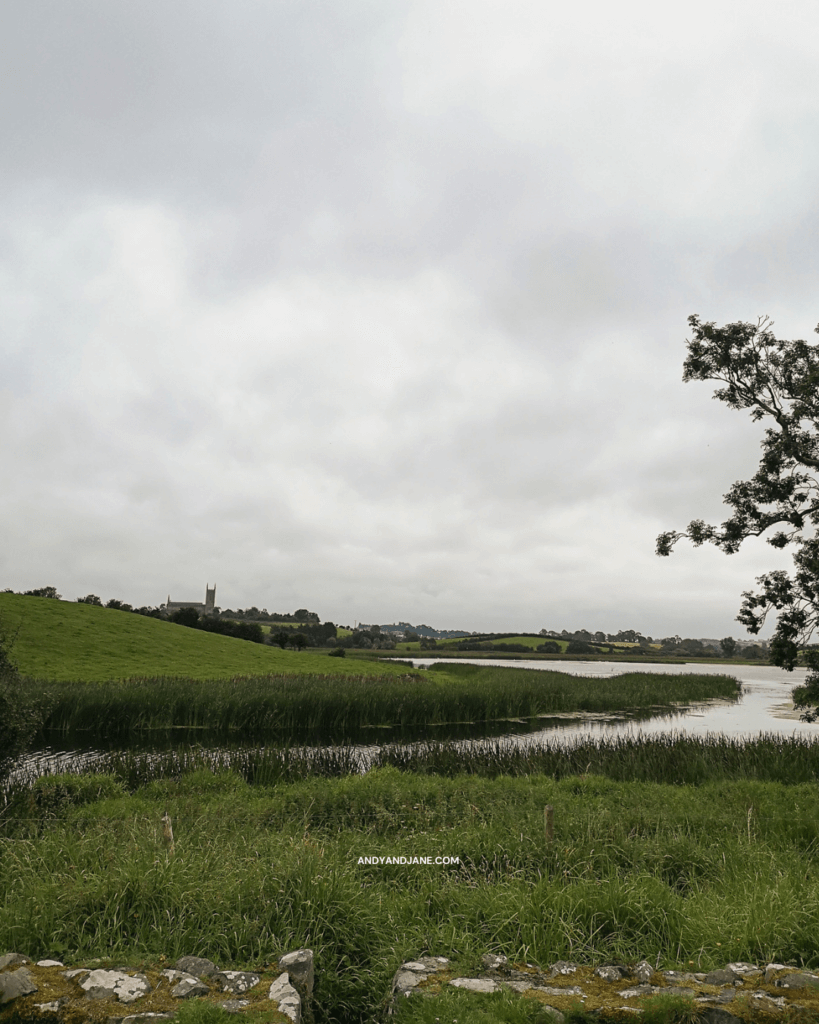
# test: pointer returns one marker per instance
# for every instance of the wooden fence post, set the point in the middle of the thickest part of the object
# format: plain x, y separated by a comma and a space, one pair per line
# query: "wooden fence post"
549, 822
167, 832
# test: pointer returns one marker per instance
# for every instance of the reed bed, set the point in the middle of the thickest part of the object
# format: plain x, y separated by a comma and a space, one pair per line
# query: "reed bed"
331, 707
670, 759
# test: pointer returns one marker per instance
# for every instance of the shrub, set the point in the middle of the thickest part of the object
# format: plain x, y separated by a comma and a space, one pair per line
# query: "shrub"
579, 647
22, 709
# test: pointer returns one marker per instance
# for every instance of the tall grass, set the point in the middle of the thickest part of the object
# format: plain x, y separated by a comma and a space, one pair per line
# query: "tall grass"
333, 706
723, 872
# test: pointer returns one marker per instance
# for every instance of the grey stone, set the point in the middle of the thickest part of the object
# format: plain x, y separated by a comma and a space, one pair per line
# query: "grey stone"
743, 970
611, 972
185, 986
475, 984
405, 981
426, 963
75, 972
189, 988
196, 965
801, 980
562, 967
127, 988
237, 982
640, 990
50, 963
299, 966
12, 960
234, 1005
769, 1001
677, 977
643, 972
409, 974
773, 969
519, 986
721, 977
550, 990
287, 998
494, 961
14, 984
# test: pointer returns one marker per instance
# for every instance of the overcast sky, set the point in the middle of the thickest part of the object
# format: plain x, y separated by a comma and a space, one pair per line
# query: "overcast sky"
380, 308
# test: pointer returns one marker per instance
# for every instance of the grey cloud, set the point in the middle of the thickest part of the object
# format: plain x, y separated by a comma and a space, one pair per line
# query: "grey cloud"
381, 310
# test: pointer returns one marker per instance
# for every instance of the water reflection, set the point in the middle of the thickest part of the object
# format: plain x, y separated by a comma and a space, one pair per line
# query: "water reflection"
764, 706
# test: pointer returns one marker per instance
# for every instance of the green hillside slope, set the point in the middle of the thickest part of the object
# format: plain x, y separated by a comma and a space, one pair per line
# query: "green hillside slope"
61, 640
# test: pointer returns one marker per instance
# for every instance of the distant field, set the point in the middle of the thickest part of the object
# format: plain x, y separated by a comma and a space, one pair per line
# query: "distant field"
69, 641
532, 642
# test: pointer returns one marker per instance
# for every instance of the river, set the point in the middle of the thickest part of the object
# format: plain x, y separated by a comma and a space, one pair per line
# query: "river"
765, 704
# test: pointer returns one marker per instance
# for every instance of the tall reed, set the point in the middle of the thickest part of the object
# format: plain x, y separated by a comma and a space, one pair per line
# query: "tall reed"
337, 706
671, 759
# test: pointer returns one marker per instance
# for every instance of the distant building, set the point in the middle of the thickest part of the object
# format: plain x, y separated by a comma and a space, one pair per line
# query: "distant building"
207, 608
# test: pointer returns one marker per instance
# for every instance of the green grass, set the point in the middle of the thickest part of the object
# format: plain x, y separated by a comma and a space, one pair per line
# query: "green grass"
335, 706
677, 874
528, 641
61, 640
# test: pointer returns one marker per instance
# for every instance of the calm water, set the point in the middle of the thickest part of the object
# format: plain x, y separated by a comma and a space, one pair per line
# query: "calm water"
765, 704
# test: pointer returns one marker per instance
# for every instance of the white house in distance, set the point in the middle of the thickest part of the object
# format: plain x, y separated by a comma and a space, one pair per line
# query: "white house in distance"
204, 609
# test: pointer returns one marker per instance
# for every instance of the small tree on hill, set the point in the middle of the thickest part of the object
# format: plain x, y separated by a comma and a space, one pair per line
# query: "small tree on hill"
43, 592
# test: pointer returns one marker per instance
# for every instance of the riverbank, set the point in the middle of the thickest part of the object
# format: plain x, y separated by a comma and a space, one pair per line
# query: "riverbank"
716, 872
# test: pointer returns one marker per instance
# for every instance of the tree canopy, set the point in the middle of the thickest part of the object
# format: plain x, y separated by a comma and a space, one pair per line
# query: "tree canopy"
778, 381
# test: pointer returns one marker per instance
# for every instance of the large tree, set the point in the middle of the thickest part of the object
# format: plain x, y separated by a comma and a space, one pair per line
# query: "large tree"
778, 381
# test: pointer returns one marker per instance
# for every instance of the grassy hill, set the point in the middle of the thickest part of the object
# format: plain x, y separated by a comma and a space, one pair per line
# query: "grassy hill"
61, 640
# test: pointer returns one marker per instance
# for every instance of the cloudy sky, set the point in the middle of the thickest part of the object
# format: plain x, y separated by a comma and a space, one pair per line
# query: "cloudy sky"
380, 308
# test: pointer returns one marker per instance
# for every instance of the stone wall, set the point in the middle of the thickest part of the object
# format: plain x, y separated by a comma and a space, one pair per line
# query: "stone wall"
736, 992
54, 993
49, 989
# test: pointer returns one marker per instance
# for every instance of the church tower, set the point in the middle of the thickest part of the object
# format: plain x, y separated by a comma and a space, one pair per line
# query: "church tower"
210, 599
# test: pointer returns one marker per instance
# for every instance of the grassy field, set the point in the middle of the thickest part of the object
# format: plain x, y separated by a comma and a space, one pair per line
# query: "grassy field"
693, 875
61, 640
333, 706
529, 641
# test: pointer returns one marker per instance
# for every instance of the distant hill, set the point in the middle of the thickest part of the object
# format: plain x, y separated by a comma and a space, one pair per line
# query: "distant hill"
422, 630
63, 640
